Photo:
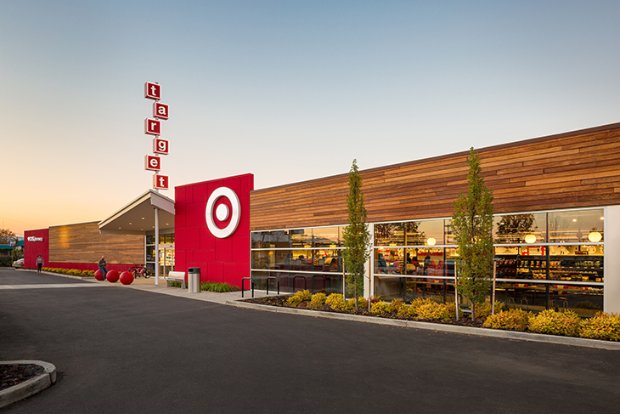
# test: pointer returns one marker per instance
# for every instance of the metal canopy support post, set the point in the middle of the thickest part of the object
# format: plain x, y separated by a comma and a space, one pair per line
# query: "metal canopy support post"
156, 246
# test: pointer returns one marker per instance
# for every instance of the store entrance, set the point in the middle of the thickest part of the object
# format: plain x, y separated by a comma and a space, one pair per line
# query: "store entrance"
165, 256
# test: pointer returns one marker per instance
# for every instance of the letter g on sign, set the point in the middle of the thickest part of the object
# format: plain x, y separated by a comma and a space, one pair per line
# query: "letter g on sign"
222, 212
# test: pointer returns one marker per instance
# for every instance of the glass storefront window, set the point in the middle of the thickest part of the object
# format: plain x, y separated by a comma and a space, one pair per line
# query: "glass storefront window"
585, 300
520, 228
301, 238
579, 226
271, 239
326, 237
389, 234
425, 233
409, 288
576, 263
328, 260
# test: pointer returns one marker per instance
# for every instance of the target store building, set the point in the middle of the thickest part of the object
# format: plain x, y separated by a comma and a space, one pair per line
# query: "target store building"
556, 227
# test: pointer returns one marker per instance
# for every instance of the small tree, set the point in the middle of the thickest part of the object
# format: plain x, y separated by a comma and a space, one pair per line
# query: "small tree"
356, 235
6, 236
472, 225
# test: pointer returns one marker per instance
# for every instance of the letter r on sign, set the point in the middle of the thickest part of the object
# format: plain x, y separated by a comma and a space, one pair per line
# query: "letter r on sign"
152, 126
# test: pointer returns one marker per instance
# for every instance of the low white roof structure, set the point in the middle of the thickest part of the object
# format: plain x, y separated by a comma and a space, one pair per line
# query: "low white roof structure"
139, 215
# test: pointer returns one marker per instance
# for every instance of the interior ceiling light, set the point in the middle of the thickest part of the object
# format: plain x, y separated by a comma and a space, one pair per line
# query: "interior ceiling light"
595, 236
530, 238
574, 220
431, 241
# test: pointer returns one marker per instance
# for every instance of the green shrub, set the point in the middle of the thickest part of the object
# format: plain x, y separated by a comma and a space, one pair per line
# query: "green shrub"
217, 287
434, 311
317, 301
555, 323
601, 326
298, 297
511, 320
484, 310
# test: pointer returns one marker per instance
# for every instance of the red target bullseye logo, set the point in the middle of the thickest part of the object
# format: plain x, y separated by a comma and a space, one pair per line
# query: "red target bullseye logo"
228, 209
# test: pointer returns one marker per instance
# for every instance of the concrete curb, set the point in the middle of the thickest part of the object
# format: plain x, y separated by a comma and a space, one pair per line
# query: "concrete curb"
465, 330
32, 386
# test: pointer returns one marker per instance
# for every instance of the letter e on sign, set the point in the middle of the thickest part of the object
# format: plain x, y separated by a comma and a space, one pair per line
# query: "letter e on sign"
160, 182
152, 126
152, 91
160, 110
160, 146
152, 163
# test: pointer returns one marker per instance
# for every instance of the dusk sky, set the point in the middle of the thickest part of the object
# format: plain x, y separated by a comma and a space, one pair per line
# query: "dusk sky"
286, 90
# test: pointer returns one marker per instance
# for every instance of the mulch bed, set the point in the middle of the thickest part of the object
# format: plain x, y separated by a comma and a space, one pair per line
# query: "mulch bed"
13, 374
281, 302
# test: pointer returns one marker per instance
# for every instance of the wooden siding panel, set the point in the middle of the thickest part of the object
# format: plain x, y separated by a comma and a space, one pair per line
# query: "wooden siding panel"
578, 169
84, 243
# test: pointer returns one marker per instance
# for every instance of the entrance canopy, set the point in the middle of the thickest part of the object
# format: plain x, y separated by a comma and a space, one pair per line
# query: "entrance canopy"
139, 215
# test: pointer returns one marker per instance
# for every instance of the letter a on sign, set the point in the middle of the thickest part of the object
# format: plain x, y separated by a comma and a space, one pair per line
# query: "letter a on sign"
152, 126
152, 91
160, 110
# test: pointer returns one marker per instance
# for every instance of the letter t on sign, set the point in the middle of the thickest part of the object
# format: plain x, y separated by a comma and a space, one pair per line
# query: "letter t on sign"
152, 91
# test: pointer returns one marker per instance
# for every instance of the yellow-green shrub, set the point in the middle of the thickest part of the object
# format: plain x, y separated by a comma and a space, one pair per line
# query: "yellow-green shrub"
298, 297
336, 302
417, 302
601, 326
362, 303
512, 320
406, 312
435, 311
317, 301
484, 310
555, 323
386, 308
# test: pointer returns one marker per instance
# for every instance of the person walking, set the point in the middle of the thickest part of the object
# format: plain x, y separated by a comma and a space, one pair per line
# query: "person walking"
39, 263
102, 264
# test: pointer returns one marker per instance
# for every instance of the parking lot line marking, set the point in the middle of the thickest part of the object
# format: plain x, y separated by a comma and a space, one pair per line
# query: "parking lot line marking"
50, 286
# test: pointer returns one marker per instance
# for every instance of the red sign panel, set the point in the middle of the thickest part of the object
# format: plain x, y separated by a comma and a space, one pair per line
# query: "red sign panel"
152, 126
160, 110
152, 91
160, 146
203, 212
152, 163
160, 182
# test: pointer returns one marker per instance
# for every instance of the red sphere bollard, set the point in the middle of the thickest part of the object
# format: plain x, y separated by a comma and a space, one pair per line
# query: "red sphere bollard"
126, 278
99, 276
112, 276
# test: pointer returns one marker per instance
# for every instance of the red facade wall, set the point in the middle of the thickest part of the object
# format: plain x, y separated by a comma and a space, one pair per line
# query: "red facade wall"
33, 247
219, 259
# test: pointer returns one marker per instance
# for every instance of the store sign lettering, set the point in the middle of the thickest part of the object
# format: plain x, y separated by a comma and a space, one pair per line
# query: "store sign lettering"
152, 163
160, 182
152, 126
160, 146
160, 110
35, 239
152, 91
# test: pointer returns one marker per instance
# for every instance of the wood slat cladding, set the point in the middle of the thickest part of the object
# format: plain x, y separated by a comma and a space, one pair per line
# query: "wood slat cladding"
571, 170
83, 243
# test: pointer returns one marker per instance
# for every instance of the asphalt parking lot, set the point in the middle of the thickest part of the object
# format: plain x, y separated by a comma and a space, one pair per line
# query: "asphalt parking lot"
118, 349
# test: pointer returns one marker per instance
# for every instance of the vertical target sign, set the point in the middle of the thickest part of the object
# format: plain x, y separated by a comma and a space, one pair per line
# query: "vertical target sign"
152, 126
